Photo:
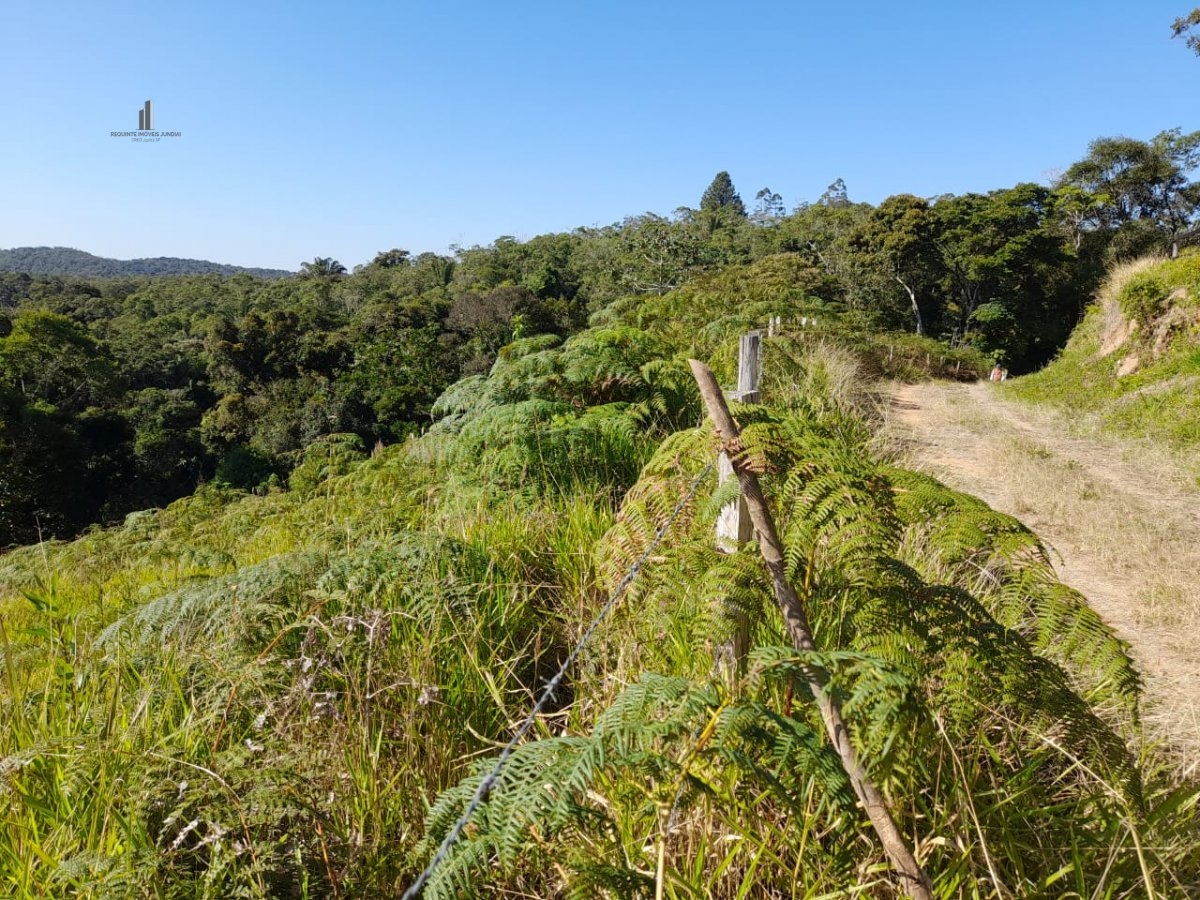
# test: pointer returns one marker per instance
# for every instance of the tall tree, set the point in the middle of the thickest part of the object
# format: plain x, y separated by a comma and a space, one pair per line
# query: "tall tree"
1004, 269
720, 196
836, 195
390, 259
1144, 188
768, 207
899, 234
656, 255
824, 234
322, 267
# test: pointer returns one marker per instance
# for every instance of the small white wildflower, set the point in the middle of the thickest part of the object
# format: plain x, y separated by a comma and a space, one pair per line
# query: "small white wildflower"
429, 693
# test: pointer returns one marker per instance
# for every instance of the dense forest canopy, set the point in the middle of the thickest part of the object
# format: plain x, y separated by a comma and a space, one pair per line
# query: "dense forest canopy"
121, 393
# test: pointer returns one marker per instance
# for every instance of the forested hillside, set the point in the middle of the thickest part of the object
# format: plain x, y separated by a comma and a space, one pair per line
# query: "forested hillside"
67, 261
118, 394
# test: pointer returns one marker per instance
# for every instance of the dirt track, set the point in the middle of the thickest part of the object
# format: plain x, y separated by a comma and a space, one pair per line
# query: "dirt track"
1122, 524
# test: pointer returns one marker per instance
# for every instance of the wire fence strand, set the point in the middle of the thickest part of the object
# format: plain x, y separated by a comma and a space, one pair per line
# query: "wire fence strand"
491, 780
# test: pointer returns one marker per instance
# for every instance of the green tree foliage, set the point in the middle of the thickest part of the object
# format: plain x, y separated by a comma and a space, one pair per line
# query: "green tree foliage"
1183, 25
47, 358
720, 197
657, 255
824, 234
61, 451
322, 267
1143, 190
1005, 273
899, 233
391, 259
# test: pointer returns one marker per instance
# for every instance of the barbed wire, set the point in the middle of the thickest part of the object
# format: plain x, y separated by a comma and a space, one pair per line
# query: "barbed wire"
492, 778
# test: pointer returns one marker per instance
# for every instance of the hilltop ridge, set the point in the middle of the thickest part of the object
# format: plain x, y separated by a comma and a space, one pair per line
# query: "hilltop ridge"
69, 261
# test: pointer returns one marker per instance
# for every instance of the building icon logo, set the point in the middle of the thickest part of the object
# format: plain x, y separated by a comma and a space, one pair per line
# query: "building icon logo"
145, 133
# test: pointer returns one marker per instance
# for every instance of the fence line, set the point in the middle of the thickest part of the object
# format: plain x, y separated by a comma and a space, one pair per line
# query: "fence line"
490, 781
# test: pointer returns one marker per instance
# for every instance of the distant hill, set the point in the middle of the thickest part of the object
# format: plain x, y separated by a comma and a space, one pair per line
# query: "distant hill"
67, 261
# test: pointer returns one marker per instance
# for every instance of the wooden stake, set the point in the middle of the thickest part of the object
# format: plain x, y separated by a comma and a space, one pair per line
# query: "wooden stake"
912, 877
733, 524
734, 527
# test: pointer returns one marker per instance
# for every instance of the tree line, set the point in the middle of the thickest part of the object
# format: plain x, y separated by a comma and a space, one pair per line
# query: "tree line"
118, 394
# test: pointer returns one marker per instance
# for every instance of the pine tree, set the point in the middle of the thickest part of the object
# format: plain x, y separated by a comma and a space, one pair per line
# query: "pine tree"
720, 196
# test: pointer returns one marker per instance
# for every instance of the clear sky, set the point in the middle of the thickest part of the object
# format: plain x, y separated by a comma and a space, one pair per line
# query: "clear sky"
344, 129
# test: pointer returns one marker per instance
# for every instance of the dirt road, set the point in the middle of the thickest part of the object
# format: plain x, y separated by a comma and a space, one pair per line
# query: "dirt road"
1123, 524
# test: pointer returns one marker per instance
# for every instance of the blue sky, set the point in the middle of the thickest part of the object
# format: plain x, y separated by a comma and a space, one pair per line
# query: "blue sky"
344, 129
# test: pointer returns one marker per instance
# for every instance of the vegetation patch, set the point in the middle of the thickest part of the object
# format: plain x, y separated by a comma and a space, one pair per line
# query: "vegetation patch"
1158, 399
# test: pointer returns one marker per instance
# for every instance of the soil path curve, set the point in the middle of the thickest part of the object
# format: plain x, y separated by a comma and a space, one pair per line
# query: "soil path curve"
1123, 524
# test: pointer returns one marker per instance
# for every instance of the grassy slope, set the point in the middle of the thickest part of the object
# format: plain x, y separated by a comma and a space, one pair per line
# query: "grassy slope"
1161, 400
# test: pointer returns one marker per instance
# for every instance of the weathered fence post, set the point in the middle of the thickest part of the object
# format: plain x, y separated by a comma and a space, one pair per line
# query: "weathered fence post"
733, 523
734, 527
913, 879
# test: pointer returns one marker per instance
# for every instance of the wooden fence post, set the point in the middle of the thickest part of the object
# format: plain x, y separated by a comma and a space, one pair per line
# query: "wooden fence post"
913, 879
734, 527
733, 523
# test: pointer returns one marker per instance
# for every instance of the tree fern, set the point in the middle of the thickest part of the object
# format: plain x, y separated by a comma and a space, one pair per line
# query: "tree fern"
654, 735
958, 539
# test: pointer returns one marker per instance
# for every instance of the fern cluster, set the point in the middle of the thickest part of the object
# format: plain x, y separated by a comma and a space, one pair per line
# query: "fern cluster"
969, 675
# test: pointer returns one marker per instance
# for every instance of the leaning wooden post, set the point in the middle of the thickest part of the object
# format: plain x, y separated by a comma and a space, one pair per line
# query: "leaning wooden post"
734, 528
733, 523
912, 877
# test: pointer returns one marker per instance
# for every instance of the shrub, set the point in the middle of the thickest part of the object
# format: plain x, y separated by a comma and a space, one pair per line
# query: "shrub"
245, 468
1144, 296
334, 454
